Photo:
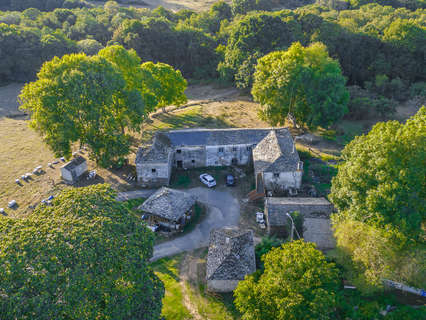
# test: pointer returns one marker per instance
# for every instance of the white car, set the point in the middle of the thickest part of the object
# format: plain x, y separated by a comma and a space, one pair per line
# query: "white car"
208, 180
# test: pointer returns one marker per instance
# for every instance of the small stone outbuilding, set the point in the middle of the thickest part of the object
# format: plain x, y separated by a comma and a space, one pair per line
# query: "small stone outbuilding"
73, 170
230, 258
276, 209
169, 208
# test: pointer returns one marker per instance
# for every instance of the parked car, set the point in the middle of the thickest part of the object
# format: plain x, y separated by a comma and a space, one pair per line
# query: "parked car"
153, 228
230, 180
208, 180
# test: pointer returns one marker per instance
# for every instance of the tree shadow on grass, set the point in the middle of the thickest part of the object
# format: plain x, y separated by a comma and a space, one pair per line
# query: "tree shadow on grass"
164, 266
192, 120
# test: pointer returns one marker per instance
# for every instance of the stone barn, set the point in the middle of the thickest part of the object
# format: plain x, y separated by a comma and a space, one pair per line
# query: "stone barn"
230, 258
276, 208
276, 161
74, 169
169, 208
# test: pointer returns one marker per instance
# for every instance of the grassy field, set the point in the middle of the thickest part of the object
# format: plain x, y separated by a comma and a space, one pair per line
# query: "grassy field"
186, 296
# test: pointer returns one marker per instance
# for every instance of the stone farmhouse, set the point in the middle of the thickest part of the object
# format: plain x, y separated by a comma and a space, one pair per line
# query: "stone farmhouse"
276, 162
169, 208
230, 258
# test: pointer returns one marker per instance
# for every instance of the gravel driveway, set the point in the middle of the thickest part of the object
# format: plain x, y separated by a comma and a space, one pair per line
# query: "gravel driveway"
222, 210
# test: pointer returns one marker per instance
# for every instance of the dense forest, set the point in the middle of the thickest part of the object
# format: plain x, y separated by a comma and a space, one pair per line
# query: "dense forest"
378, 47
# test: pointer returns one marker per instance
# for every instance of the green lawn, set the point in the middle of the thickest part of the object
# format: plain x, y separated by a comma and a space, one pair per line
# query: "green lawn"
167, 270
206, 305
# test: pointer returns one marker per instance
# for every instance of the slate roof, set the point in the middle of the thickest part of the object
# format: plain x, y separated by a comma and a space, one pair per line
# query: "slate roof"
275, 153
231, 254
74, 163
168, 203
276, 208
158, 151
215, 137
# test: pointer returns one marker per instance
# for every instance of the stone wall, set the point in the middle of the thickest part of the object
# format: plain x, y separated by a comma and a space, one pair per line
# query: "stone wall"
75, 173
228, 155
222, 285
154, 174
318, 230
284, 181
190, 157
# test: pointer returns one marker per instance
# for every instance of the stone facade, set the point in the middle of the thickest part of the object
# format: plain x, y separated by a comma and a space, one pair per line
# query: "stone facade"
279, 182
318, 230
155, 173
74, 169
271, 151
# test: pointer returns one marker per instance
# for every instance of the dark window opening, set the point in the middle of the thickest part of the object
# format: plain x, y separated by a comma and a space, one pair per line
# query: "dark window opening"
178, 151
179, 164
234, 148
153, 170
193, 161
221, 149
276, 175
248, 148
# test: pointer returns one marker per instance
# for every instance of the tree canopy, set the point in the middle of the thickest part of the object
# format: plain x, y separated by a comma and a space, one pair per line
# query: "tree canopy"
298, 283
381, 180
304, 82
97, 100
86, 256
85, 99
172, 85
380, 193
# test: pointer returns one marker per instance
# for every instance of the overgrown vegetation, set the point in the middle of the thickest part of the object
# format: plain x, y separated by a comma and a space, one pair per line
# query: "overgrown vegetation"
379, 191
84, 256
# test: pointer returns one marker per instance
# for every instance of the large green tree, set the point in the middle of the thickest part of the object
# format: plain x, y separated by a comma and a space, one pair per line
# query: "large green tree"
85, 99
304, 82
380, 193
298, 283
86, 256
172, 84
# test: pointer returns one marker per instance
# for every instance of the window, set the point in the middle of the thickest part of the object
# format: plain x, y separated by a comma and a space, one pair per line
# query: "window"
153, 170
234, 148
178, 151
221, 149
193, 161
276, 175
248, 148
